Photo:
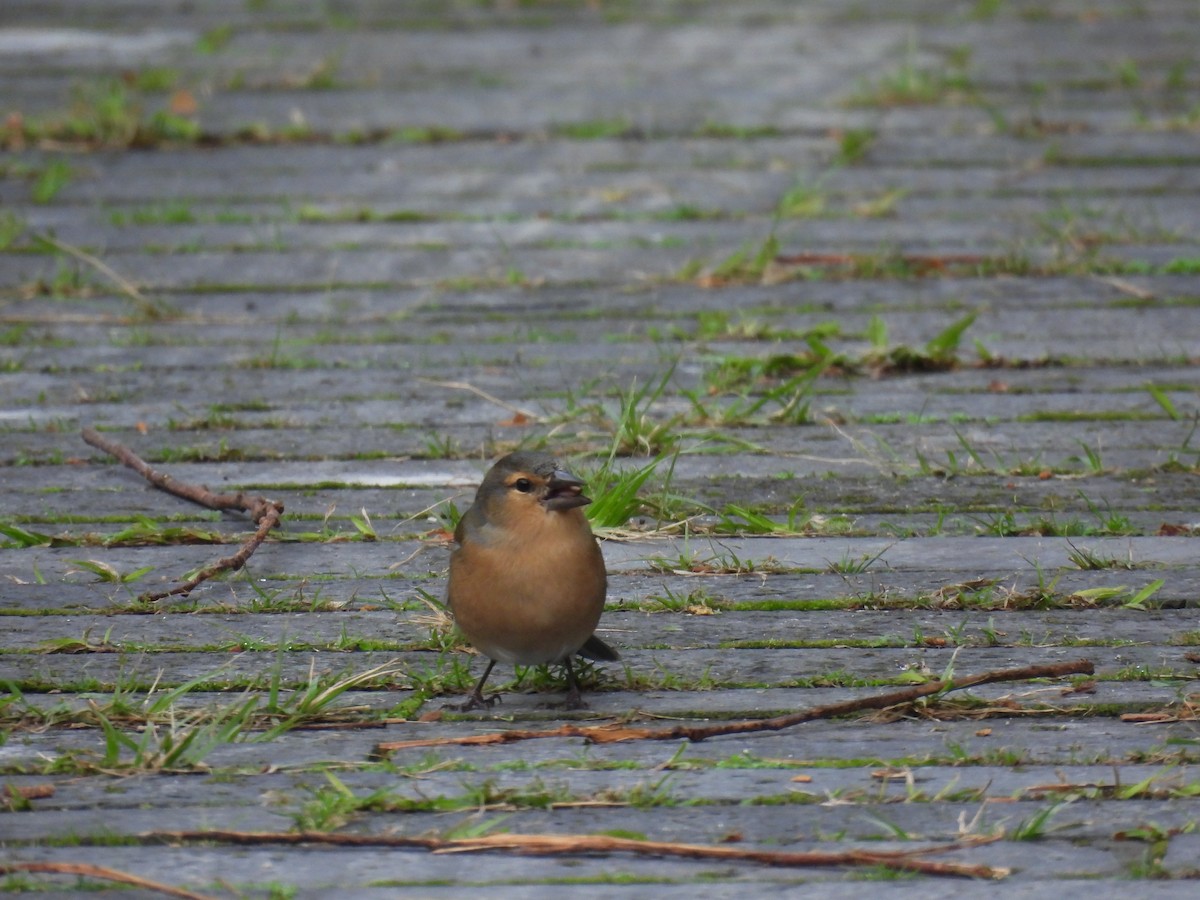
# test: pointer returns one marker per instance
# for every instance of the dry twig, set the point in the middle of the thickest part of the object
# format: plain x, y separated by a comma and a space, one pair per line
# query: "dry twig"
87, 870
13, 794
265, 513
127, 287
480, 392
564, 844
615, 732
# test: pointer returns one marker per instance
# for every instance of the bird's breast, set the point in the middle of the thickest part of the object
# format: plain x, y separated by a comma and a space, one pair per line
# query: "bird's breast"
530, 595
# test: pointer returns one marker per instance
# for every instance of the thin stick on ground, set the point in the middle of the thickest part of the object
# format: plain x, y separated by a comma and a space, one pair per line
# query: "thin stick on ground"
265, 513
570, 844
87, 870
479, 392
616, 732
127, 287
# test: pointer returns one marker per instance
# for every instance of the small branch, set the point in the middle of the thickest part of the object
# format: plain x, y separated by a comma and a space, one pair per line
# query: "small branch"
225, 564
613, 733
566, 844
256, 507
86, 870
265, 513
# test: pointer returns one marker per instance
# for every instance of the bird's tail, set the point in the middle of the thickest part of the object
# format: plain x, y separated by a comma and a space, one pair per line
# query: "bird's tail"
594, 648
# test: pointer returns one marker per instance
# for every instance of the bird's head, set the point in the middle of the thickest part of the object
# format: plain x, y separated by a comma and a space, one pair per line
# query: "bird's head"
526, 480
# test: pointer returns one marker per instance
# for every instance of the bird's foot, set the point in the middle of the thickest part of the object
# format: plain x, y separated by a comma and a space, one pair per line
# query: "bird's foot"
572, 701
475, 701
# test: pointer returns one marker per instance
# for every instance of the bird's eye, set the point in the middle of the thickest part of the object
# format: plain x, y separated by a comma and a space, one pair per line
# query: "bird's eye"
524, 485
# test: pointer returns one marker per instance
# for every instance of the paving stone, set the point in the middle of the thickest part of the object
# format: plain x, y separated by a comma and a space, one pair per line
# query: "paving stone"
452, 211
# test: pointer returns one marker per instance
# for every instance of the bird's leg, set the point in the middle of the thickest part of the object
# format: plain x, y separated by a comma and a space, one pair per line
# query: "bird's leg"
477, 700
574, 700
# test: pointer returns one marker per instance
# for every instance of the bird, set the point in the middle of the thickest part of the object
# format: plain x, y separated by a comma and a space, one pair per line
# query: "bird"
527, 580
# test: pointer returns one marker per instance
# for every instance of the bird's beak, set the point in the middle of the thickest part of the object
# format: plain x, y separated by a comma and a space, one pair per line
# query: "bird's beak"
564, 491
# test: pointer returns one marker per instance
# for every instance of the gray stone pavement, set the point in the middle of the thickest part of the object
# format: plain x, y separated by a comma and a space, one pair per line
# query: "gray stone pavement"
345, 254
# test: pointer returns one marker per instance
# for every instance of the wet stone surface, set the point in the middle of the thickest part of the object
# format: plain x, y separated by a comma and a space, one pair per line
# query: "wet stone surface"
902, 296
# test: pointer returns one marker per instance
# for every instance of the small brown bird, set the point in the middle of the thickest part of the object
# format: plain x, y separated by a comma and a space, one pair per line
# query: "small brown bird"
527, 580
